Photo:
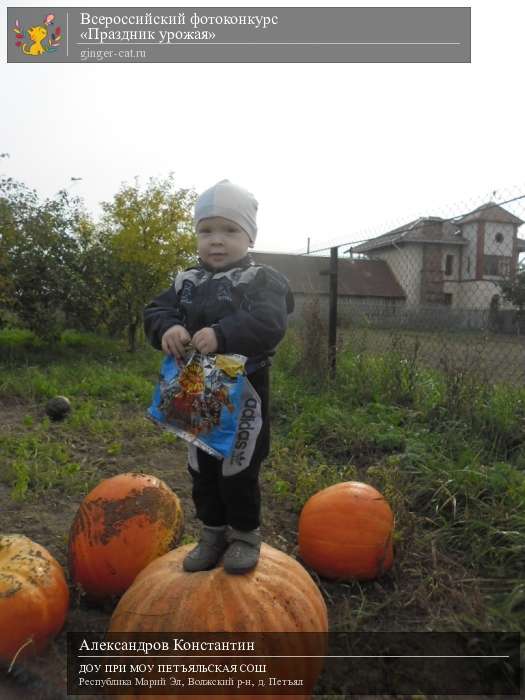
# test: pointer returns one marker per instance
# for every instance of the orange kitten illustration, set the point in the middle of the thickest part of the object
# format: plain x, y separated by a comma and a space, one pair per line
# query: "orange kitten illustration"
37, 35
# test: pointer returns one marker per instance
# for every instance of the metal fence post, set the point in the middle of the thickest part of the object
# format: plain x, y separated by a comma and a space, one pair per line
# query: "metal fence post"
332, 319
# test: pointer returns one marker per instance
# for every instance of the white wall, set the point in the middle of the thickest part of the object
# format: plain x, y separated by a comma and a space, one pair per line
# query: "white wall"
470, 232
476, 294
492, 247
406, 263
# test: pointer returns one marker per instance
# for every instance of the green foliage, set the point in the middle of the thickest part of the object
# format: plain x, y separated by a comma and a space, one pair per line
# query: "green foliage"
312, 342
109, 390
147, 235
446, 451
297, 471
454, 474
19, 345
513, 289
476, 507
39, 256
16, 341
361, 433
110, 381
17, 338
89, 342
59, 270
35, 462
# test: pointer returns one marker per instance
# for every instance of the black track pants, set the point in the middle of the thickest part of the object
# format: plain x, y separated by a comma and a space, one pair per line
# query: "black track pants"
234, 500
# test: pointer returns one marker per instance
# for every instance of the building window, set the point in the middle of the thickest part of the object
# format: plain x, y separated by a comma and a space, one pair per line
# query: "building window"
504, 268
449, 264
447, 299
499, 237
468, 264
496, 266
490, 265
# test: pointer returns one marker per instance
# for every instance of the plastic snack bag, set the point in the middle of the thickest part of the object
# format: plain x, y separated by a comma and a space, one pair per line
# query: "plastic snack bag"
199, 399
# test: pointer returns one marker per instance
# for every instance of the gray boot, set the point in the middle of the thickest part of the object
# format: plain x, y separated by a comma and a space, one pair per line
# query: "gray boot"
243, 553
206, 554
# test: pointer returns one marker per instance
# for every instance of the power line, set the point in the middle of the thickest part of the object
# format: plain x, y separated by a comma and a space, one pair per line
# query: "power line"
490, 205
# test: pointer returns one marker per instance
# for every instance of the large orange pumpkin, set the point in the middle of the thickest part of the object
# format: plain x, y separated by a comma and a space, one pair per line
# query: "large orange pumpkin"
277, 596
121, 526
345, 532
34, 597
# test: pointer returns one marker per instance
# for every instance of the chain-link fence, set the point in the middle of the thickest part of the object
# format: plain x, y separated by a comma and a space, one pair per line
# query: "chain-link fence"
446, 287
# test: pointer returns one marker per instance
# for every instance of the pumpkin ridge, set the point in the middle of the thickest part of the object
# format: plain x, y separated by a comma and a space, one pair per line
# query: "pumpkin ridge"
215, 601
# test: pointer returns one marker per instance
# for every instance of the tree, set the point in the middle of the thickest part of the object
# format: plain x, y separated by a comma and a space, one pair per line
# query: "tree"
148, 236
513, 290
39, 256
89, 306
7, 234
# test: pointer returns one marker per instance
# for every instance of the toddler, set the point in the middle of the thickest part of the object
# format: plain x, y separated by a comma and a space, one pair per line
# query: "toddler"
226, 304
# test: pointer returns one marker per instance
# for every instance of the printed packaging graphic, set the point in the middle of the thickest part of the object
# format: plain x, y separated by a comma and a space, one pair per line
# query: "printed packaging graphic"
200, 399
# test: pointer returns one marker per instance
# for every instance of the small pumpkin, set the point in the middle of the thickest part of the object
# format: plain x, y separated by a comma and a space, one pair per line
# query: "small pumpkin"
121, 526
34, 597
277, 596
58, 408
345, 532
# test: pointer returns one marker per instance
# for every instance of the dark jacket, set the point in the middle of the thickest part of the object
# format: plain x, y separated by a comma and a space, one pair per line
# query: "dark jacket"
246, 304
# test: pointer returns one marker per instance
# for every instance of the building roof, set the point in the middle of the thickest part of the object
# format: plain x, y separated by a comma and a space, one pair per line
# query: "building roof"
490, 212
430, 229
433, 229
357, 278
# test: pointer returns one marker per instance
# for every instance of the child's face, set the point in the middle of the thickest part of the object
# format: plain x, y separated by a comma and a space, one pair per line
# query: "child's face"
221, 241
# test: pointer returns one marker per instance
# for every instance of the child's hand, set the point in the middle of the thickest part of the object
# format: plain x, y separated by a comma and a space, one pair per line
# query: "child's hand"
174, 340
205, 341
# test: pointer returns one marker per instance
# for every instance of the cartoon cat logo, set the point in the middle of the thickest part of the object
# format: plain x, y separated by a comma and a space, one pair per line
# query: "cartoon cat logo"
37, 36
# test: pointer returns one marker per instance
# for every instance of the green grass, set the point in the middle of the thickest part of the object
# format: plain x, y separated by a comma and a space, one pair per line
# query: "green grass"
109, 390
36, 463
447, 452
113, 380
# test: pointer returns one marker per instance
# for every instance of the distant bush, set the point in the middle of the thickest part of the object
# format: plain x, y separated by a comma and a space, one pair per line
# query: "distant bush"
18, 338
85, 341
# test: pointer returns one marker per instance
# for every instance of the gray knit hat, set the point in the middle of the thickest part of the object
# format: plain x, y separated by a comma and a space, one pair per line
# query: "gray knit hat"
231, 202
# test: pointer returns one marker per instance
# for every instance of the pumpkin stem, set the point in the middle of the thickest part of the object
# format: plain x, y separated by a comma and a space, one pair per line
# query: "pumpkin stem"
29, 641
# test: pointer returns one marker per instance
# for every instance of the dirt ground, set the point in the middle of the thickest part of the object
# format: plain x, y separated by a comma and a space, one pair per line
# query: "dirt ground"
399, 601
47, 520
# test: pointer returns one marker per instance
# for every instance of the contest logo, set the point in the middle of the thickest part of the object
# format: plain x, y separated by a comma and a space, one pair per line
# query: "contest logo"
39, 39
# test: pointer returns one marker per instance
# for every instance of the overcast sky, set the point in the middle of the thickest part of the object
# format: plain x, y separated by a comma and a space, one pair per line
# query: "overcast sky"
337, 152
